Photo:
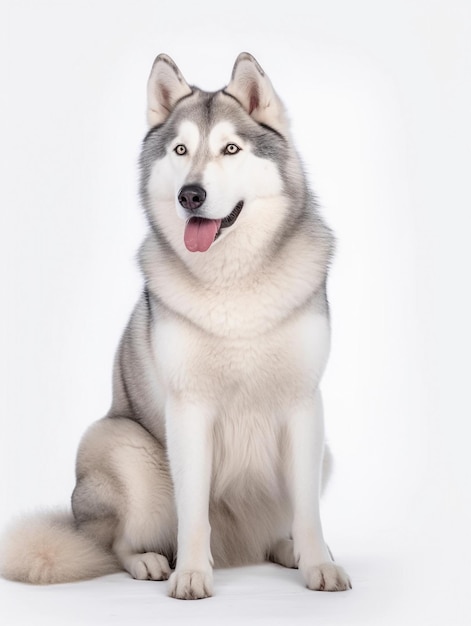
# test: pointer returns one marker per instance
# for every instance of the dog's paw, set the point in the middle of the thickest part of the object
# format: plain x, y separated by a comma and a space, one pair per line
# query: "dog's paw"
191, 584
148, 566
326, 577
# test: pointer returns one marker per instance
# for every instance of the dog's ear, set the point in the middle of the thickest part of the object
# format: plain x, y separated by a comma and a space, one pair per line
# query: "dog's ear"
253, 89
166, 86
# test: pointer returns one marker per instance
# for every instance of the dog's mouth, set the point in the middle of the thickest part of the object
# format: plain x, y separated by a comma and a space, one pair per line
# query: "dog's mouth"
200, 232
233, 215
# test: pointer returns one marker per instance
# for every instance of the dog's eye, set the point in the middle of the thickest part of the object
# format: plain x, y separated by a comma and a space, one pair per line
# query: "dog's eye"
231, 148
180, 149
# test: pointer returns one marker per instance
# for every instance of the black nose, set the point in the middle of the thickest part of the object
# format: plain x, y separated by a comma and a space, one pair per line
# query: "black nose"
191, 197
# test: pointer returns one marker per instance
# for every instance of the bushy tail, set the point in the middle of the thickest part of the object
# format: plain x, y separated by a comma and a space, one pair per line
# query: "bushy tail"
47, 548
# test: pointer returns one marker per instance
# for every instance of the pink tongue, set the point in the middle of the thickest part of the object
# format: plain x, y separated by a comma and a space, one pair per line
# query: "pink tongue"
200, 233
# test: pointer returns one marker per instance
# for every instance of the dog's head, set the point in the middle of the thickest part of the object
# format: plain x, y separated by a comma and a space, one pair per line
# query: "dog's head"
213, 163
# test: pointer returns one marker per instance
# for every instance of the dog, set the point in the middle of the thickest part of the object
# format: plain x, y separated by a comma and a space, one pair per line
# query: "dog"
213, 451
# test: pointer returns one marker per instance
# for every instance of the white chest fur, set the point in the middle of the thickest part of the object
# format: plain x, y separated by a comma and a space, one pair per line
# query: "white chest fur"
250, 385
271, 368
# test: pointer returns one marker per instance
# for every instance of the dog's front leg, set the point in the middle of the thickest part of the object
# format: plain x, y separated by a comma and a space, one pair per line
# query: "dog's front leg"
306, 427
189, 440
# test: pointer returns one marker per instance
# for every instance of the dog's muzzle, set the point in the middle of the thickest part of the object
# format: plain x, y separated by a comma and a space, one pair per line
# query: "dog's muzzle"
191, 197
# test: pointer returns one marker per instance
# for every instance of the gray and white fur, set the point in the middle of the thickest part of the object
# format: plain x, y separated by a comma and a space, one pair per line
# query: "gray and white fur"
212, 451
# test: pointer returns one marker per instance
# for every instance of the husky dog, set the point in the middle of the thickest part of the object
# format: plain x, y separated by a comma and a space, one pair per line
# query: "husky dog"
213, 449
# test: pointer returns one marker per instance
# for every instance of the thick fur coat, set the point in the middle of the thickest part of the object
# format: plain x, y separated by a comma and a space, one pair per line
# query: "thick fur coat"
212, 451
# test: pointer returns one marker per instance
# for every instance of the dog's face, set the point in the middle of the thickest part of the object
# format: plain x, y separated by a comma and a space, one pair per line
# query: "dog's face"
212, 163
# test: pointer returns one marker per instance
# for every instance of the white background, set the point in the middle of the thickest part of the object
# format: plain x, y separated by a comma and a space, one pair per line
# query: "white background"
380, 99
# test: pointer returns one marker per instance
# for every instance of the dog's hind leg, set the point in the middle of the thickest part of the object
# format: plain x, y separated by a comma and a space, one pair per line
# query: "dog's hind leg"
124, 496
283, 553
141, 565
